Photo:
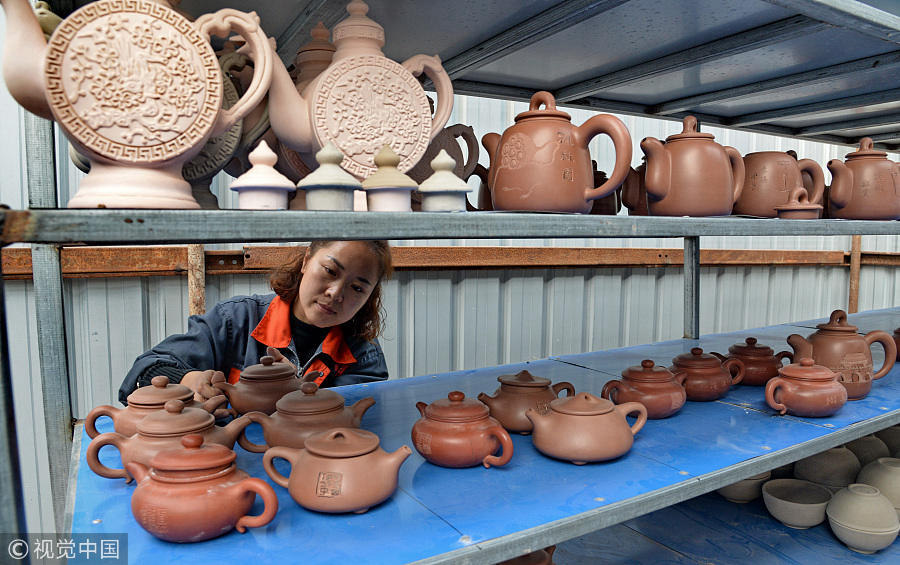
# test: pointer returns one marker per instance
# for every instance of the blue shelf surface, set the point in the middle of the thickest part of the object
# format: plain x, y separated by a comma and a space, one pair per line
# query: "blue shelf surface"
483, 515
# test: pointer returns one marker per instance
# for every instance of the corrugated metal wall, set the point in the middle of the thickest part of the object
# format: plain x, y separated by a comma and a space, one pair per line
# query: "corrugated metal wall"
437, 321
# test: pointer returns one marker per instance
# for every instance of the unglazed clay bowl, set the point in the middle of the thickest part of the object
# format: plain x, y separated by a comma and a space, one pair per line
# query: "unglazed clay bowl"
890, 437
834, 468
883, 474
795, 503
863, 518
746, 490
867, 449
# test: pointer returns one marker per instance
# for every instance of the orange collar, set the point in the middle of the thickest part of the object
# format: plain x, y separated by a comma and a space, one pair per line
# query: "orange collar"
274, 330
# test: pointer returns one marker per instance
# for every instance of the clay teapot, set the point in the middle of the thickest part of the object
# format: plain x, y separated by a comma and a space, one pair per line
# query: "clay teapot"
362, 101
585, 428
691, 175
196, 492
518, 393
707, 377
761, 363
866, 186
137, 89
341, 470
146, 400
459, 432
610, 204
634, 191
160, 431
837, 345
769, 179
543, 162
260, 386
657, 388
806, 389
301, 413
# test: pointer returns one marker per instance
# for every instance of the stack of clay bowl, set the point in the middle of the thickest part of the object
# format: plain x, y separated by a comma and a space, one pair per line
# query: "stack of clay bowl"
883, 474
863, 518
868, 448
747, 490
796, 503
833, 469
891, 438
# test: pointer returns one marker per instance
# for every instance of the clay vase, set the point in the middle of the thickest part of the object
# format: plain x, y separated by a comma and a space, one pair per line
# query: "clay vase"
661, 392
341, 470
160, 431
137, 89
586, 428
302, 413
543, 162
837, 345
459, 432
769, 179
519, 392
868, 448
761, 363
807, 390
834, 468
706, 376
691, 175
390, 109
147, 400
196, 493
538, 557
260, 386
634, 191
866, 186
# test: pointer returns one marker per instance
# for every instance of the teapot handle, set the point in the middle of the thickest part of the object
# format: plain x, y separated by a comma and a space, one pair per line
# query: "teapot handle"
618, 133
890, 350
286, 453
736, 375
630, 408
737, 171
91, 418
506, 445
771, 387
611, 390
257, 418
259, 50
781, 356
270, 503
818, 178
472, 151
565, 385
433, 69
93, 455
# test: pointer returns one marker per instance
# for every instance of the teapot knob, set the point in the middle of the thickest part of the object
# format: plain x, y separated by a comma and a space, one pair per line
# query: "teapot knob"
266, 360
192, 441
647, 364
751, 341
696, 351
309, 387
456, 396
838, 317
806, 362
160, 381
689, 124
174, 406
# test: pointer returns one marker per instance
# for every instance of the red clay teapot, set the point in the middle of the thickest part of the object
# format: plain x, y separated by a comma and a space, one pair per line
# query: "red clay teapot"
707, 377
543, 162
341, 470
807, 390
657, 388
518, 393
866, 186
160, 431
459, 432
260, 386
302, 413
837, 345
634, 191
146, 400
769, 179
196, 492
691, 175
761, 363
585, 428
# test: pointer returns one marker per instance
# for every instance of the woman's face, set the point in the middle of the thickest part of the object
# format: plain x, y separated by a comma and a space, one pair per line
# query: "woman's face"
337, 281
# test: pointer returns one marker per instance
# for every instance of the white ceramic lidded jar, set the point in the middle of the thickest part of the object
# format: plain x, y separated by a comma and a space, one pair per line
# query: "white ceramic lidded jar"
262, 187
387, 189
329, 187
444, 191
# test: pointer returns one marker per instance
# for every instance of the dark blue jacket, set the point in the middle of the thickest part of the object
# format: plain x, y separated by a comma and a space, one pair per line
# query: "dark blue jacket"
235, 334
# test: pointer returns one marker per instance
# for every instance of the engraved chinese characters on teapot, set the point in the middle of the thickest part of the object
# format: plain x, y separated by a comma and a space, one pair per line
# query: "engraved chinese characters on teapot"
866, 186
769, 179
136, 87
806, 389
543, 162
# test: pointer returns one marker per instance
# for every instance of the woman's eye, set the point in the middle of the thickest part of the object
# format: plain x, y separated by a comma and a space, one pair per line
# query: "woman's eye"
358, 288
328, 270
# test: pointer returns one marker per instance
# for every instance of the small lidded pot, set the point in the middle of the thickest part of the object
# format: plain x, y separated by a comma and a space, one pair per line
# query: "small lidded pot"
146, 400
707, 377
519, 392
806, 389
459, 432
761, 363
260, 386
301, 413
196, 492
585, 428
341, 470
660, 391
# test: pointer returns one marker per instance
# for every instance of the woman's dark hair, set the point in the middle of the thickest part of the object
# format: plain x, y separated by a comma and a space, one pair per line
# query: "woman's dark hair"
368, 322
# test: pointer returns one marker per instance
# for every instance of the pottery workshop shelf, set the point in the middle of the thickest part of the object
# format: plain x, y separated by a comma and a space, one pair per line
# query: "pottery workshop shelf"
479, 515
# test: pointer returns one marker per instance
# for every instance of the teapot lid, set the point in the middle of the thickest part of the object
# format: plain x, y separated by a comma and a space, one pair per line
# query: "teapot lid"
310, 399
193, 455
697, 359
647, 371
341, 442
456, 408
267, 369
160, 391
866, 149
549, 111
689, 130
582, 404
807, 370
838, 322
177, 419
798, 200
319, 42
358, 26
751, 348
524, 378
387, 175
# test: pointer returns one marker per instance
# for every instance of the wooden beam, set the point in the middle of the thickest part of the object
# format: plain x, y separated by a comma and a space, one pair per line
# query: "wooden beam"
196, 279
855, 252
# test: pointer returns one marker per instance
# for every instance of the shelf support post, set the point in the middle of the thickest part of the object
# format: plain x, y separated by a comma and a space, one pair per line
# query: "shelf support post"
692, 287
855, 261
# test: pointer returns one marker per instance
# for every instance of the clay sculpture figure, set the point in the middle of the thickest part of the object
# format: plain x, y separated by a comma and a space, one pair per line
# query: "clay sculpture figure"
518, 393
769, 179
660, 391
866, 186
806, 389
260, 386
761, 363
706, 376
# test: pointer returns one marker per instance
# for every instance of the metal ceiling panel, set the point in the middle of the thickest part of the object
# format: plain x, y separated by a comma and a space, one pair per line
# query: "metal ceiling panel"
810, 120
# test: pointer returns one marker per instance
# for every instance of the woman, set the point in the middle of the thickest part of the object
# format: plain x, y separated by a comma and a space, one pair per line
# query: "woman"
323, 319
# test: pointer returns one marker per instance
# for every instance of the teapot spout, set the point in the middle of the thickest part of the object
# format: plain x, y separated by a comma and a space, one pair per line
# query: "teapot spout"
288, 111
24, 49
801, 346
490, 142
841, 183
486, 399
537, 419
235, 427
658, 171
359, 408
392, 461
137, 470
